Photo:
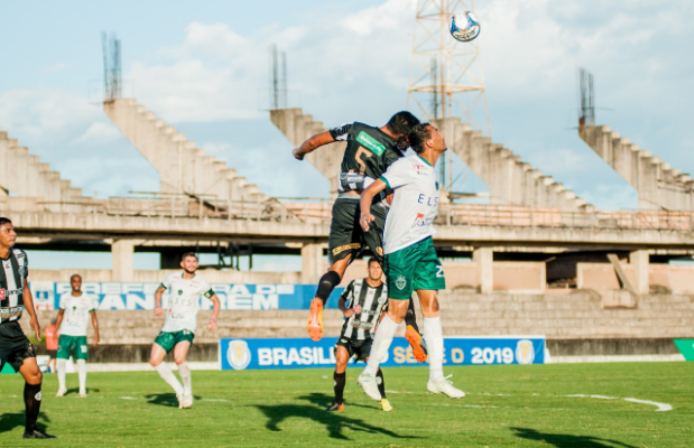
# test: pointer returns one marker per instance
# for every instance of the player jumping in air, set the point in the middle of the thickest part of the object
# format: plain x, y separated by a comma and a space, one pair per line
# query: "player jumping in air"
185, 289
410, 258
75, 310
362, 303
15, 348
369, 152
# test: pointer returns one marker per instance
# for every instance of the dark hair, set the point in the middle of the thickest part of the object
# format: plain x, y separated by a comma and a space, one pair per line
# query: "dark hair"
372, 260
188, 254
75, 275
418, 135
4, 221
400, 124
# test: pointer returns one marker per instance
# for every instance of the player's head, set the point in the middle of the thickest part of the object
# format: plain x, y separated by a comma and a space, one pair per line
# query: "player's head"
374, 269
426, 135
8, 237
189, 262
400, 125
76, 282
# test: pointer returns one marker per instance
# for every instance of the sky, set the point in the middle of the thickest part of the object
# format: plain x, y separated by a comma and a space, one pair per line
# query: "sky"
204, 68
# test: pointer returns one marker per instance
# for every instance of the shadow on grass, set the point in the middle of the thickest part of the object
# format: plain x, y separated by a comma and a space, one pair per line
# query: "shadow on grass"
76, 391
324, 400
568, 440
168, 399
12, 420
334, 422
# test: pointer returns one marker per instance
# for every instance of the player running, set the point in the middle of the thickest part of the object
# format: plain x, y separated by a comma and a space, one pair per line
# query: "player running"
410, 258
369, 152
76, 307
365, 300
15, 348
185, 289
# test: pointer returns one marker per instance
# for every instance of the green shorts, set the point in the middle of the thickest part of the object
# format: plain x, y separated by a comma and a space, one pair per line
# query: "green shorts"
412, 268
67, 343
169, 340
347, 237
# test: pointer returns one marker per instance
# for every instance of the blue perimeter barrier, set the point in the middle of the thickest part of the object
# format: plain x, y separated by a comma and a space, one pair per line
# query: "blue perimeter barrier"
303, 353
140, 296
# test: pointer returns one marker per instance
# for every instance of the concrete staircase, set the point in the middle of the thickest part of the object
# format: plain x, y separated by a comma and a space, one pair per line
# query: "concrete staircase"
658, 185
297, 127
510, 180
24, 174
183, 168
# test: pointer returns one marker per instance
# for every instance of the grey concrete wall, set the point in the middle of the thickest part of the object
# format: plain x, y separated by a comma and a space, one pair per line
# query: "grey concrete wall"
579, 315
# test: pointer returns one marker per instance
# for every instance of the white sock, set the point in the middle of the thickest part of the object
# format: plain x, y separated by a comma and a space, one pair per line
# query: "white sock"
82, 371
184, 371
167, 375
381, 344
434, 338
61, 373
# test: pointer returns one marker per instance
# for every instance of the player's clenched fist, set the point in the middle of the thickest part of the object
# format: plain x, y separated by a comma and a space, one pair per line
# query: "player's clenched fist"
365, 220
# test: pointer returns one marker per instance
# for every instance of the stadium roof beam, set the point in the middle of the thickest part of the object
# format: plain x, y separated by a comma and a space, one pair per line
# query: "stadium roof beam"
183, 168
659, 186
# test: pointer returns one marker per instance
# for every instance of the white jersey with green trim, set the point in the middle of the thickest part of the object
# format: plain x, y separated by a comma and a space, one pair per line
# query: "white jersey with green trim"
415, 203
184, 295
76, 316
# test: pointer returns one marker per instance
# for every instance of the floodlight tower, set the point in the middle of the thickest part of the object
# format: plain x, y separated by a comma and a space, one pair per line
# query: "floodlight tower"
446, 78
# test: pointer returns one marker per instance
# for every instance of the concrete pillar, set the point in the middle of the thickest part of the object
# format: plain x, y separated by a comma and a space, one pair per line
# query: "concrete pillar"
484, 259
639, 261
122, 260
311, 263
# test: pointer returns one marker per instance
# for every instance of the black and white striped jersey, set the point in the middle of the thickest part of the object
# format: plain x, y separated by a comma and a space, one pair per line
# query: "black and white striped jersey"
366, 303
13, 271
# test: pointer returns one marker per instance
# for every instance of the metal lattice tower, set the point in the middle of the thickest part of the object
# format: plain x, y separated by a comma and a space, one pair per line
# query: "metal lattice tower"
446, 78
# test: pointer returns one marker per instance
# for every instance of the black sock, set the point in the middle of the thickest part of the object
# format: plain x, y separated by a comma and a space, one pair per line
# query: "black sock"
327, 283
32, 400
381, 383
411, 317
340, 379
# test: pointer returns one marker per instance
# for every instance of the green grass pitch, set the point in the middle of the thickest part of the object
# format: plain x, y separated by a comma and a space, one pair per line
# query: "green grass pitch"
506, 406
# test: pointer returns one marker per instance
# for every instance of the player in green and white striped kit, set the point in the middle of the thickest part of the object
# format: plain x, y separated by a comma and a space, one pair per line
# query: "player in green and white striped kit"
76, 307
185, 289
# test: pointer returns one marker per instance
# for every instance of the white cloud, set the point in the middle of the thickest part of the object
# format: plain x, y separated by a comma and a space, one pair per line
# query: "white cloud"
99, 133
56, 68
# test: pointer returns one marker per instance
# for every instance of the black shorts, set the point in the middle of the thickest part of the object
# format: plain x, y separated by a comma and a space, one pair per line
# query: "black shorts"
52, 353
356, 347
346, 235
14, 345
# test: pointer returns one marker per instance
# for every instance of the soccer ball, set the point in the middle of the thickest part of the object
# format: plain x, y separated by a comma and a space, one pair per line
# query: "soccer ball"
467, 27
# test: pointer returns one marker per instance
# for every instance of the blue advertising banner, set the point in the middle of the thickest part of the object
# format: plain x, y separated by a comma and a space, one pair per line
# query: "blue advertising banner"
302, 353
140, 296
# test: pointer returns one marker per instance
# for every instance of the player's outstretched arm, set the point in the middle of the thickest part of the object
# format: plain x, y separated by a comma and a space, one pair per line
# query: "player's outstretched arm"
29, 305
312, 143
367, 197
158, 311
216, 305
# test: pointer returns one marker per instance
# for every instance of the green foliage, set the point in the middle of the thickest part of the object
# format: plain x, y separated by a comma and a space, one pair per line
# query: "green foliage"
506, 406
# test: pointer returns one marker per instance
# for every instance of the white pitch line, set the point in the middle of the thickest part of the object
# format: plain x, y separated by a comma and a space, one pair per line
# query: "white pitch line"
128, 398
662, 407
